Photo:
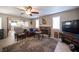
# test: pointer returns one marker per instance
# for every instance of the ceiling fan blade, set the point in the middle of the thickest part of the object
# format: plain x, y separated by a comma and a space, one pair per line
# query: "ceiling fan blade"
21, 8
35, 12
22, 13
30, 14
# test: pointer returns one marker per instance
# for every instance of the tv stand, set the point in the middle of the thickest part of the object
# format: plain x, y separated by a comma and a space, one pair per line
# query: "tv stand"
70, 38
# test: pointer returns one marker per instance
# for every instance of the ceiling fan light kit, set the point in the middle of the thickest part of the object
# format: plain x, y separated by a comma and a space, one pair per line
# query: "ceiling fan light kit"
28, 12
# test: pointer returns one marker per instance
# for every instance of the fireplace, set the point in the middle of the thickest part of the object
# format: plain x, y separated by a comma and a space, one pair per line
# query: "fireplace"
46, 30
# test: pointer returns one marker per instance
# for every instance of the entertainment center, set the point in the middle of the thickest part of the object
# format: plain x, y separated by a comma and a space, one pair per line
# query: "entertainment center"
70, 34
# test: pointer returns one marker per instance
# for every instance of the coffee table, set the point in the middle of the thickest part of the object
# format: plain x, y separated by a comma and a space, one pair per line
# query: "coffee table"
37, 33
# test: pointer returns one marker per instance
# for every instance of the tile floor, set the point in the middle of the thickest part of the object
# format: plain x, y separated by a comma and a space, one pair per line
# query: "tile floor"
61, 47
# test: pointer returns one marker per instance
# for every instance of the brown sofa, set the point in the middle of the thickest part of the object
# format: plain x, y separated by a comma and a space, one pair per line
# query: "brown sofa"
20, 33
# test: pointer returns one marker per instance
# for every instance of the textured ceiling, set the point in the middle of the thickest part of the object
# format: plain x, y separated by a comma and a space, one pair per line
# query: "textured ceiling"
44, 10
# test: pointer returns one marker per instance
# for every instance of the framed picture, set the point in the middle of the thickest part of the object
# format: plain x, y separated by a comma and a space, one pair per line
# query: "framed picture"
44, 21
31, 22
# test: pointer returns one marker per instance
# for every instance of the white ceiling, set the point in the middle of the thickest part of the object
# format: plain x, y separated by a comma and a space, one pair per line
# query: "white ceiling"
43, 10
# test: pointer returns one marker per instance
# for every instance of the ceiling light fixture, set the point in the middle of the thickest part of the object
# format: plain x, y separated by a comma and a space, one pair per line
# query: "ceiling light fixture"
28, 12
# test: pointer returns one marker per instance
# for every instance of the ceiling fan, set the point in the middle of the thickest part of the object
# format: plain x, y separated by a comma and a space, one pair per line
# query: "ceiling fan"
29, 10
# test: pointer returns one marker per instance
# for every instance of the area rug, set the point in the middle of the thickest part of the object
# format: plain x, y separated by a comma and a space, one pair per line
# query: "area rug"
32, 45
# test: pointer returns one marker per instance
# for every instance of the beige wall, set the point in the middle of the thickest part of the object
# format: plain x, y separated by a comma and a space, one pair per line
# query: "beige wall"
64, 16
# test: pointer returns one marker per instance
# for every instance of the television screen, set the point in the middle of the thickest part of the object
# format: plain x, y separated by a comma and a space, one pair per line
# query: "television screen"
71, 26
67, 23
67, 26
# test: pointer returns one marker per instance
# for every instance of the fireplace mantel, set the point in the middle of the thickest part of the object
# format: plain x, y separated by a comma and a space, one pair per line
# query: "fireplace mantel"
45, 25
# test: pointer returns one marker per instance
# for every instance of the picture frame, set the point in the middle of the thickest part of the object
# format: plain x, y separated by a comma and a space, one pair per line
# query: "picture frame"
44, 21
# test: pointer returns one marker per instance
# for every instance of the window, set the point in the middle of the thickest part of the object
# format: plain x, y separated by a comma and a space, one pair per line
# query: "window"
0, 23
37, 23
26, 24
13, 23
56, 22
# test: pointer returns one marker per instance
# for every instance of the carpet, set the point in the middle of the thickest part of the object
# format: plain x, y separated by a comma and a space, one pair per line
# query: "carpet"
32, 45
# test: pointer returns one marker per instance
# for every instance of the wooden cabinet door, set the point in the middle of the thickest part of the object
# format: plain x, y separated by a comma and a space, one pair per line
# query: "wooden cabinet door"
56, 34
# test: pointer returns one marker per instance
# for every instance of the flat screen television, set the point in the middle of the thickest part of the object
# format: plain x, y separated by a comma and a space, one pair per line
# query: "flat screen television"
71, 26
